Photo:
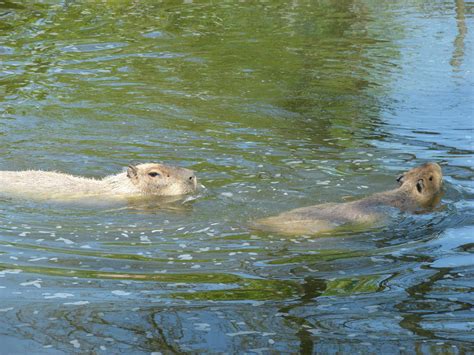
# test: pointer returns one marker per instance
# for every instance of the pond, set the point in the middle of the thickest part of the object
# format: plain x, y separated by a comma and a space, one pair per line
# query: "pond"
275, 105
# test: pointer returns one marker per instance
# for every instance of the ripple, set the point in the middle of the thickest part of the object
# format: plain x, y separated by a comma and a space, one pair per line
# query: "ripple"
4, 50
157, 34
91, 47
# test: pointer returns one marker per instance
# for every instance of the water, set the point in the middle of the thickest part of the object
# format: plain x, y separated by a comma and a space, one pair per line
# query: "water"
276, 106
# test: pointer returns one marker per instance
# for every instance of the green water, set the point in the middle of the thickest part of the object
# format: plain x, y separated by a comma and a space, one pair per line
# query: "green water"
275, 105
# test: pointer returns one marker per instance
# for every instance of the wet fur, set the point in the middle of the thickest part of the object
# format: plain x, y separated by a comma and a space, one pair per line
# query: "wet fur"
326, 217
135, 182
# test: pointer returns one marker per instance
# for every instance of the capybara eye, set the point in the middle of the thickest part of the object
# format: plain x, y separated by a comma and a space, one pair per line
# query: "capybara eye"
431, 178
153, 174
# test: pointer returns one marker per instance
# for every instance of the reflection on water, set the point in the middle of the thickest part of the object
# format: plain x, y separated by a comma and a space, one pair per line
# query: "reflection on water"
276, 106
459, 50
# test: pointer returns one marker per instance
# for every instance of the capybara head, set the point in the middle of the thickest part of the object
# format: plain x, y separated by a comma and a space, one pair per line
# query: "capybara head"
162, 180
424, 183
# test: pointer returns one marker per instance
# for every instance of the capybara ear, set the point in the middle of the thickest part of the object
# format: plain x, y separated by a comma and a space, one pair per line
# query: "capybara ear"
400, 179
420, 185
132, 172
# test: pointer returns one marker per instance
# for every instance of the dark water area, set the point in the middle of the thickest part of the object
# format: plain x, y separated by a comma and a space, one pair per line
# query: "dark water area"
275, 106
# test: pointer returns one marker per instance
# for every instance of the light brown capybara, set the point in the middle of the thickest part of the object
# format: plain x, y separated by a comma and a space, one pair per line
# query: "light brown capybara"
420, 189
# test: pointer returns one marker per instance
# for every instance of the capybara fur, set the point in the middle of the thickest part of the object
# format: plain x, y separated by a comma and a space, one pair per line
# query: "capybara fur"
420, 189
148, 179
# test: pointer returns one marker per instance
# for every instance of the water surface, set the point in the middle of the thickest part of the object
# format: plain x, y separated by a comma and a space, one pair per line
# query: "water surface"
276, 106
